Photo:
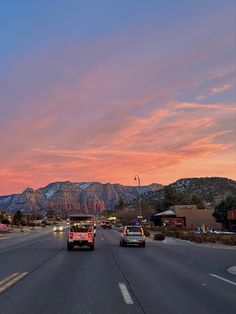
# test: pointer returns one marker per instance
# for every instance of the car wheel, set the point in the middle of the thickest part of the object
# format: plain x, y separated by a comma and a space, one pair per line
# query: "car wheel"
69, 247
122, 243
143, 244
91, 247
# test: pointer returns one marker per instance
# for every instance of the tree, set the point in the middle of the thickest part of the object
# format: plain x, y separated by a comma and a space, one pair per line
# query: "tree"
221, 209
51, 213
197, 201
2, 216
121, 204
17, 217
173, 197
159, 206
127, 216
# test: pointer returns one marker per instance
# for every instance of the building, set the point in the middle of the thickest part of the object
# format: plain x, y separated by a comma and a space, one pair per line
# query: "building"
167, 218
196, 217
231, 219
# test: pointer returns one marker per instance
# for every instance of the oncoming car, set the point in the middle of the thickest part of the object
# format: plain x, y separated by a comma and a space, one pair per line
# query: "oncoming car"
132, 235
58, 228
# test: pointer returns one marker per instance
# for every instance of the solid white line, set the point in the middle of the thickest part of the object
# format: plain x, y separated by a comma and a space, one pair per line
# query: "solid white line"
125, 293
2, 282
11, 282
224, 279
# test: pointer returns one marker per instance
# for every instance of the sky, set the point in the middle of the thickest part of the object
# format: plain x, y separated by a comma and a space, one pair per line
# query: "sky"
104, 90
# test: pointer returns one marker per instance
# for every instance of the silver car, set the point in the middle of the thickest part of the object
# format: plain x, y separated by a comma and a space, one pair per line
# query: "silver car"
132, 235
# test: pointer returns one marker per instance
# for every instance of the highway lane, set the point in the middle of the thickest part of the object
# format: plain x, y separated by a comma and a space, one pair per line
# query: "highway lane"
175, 279
160, 278
19, 238
58, 281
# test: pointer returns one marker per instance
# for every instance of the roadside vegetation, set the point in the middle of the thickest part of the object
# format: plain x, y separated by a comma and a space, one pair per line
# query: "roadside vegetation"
220, 238
221, 209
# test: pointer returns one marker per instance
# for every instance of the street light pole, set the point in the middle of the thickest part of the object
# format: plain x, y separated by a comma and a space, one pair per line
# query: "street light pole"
136, 177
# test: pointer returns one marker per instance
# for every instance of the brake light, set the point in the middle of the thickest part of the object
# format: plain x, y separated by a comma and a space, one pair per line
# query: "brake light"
71, 235
90, 235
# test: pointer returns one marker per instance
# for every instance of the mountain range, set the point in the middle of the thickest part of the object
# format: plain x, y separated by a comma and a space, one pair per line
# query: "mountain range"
95, 197
84, 197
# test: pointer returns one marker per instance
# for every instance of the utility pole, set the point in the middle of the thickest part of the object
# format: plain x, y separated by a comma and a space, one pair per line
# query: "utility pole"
136, 177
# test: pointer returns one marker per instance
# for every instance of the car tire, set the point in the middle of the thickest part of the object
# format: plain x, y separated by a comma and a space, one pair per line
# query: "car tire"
143, 244
122, 243
91, 247
69, 247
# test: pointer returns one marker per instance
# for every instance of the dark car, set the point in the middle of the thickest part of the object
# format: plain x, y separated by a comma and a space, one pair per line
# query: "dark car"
106, 224
132, 235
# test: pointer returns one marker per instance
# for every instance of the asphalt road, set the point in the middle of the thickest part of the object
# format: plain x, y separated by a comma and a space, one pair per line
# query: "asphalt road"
161, 278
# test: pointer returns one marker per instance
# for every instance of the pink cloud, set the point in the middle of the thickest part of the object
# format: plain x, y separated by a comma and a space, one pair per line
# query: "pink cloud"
220, 89
123, 115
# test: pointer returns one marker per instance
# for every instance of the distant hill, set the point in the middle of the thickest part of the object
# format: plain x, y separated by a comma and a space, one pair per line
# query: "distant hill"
84, 197
211, 190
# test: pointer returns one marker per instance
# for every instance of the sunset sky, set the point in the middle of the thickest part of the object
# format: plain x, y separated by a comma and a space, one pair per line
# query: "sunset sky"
103, 90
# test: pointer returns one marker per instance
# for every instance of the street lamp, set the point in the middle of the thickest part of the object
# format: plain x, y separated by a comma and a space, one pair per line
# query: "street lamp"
136, 177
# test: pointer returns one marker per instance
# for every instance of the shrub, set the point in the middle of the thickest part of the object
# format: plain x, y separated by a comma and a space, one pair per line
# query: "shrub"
146, 232
187, 236
159, 237
210, 238
229, 240
198, 238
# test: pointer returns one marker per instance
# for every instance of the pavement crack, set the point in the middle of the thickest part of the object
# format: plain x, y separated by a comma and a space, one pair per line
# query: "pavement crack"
46, 261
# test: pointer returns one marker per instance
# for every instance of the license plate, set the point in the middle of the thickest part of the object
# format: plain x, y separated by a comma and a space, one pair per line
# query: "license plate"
80, 237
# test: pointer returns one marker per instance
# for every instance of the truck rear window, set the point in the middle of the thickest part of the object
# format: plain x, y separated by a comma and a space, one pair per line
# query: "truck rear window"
81, 228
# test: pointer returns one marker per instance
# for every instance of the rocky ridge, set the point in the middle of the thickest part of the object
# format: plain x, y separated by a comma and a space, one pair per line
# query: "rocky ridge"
84, 197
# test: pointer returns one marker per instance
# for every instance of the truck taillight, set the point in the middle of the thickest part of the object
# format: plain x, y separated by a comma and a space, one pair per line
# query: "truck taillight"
90, 235
71, 235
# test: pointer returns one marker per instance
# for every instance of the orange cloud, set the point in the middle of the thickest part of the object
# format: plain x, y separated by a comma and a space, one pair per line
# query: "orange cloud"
124, 115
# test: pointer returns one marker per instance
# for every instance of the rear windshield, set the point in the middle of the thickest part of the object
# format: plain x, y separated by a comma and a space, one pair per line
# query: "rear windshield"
133, 229
81, 227
84, 219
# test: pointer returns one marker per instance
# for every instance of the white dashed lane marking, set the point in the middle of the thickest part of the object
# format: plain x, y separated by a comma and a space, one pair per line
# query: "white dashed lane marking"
125, 293
101, 235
